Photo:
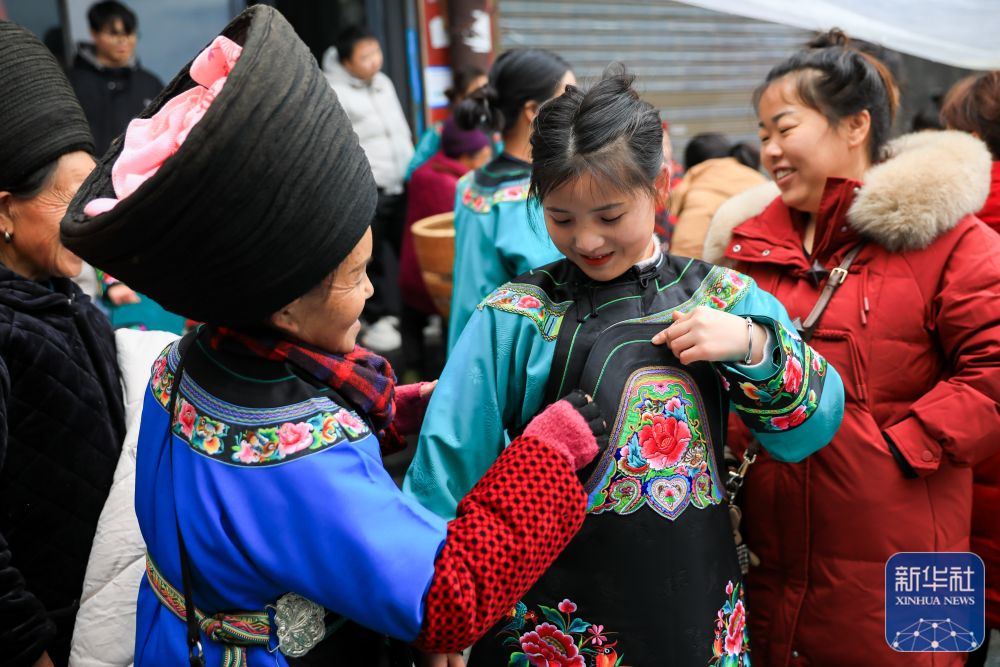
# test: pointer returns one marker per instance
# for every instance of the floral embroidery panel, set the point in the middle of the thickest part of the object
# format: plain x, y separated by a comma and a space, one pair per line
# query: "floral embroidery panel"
531, 302
552, 637
731, 647
661, 454
295, 430
790, 397
481, 201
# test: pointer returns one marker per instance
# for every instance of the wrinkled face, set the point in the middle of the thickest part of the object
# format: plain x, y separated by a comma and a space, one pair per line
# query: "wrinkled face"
366, 59
36, 251
113, 45
327, 317
800, 148
602, 231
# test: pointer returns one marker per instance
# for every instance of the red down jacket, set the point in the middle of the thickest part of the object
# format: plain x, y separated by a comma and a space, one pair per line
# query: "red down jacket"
915, 334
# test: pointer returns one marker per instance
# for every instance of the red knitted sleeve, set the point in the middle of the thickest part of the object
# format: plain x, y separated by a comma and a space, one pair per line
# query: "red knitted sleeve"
508, 530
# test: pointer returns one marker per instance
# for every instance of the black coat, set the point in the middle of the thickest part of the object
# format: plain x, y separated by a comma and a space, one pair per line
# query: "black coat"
110, 96
61, 431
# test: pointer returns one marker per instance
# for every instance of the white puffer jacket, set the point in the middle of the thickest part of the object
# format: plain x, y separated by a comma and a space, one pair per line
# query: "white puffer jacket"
104, 635
378, 120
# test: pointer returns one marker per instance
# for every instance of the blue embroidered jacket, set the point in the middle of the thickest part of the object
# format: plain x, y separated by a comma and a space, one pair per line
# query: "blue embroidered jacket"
653, 576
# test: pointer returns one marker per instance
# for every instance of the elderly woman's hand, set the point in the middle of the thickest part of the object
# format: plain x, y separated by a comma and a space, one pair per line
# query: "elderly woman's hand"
120, 294
411, 403
706, 334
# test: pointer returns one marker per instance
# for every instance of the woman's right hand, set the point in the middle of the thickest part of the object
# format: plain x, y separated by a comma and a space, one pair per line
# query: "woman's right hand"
573, 426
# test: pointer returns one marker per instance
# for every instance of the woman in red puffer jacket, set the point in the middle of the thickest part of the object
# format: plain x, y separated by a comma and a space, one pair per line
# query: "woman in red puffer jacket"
973, 106
914, 331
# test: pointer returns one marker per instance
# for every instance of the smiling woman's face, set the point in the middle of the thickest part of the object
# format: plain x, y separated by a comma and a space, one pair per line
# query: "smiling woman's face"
602, 231
800, 148
327, 317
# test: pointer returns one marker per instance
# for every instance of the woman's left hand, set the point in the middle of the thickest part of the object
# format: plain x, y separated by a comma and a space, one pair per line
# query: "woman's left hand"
706, 334
426, 389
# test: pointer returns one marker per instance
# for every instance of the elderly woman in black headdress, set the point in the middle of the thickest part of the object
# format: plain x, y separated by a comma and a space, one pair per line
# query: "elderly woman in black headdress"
61, 423
241, 198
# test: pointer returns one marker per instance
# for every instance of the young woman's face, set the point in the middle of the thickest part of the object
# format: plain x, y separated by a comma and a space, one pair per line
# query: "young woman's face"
801, 149
602, 231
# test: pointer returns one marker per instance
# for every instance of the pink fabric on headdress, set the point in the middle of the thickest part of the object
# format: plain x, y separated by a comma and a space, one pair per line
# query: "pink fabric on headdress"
150, 141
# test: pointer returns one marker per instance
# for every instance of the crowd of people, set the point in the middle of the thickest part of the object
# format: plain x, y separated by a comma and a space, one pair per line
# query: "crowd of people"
688, 410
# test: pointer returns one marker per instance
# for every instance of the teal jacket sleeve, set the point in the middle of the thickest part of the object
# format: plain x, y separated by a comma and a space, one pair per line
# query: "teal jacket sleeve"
795, 409
495, 241
428, 145
494, 380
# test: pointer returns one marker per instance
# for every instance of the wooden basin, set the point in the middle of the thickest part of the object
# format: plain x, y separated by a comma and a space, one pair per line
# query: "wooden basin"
434, 243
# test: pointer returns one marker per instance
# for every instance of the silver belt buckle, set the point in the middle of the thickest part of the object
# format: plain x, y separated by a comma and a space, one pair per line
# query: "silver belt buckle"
300, 624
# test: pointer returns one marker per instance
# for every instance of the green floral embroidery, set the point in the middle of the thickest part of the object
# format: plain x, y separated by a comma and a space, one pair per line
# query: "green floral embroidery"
789, 398
531, 302
662, 454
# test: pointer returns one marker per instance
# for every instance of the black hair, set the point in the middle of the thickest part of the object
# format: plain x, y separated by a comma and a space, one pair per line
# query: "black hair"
746, 154
606, 131
839, 80
706, 146
517, 77
461, 77
348, 39
33, 182
102, 15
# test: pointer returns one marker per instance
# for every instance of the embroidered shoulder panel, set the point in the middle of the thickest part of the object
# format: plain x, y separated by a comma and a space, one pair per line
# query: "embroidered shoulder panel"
788, 398
721, 289
481, 200
252, 437
660, 454
531, 302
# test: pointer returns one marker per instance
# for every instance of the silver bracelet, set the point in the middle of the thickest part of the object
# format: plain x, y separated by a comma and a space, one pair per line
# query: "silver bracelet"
749, 358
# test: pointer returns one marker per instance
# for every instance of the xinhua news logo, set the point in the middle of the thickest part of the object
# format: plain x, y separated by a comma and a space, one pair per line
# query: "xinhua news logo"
935, 602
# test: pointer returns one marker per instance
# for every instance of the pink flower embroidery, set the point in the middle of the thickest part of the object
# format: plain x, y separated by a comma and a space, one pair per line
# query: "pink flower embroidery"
725, 382
793, 376
567, 606
158, 369
350, 423
718, 303
734, 631
736, 280
293, 438
598, 638
529, 302
247, 453
186, 417
663, 441
729, 588
547, 646
817, 363
791, 420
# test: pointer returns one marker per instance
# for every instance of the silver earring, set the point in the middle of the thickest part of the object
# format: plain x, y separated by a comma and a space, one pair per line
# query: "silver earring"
8, 237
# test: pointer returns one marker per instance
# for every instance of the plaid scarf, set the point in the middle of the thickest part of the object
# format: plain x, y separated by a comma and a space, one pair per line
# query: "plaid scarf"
362, 377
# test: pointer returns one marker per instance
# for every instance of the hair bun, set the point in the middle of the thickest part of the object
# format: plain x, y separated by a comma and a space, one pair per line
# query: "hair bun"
832, 37
478, 110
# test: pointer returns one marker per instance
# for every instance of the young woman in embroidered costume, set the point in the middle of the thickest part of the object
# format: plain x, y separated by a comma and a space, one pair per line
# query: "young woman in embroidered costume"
259, 466
494, 240
666, 346
913, 331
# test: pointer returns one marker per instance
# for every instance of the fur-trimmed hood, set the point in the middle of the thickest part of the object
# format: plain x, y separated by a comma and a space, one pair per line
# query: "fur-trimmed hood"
929, 183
